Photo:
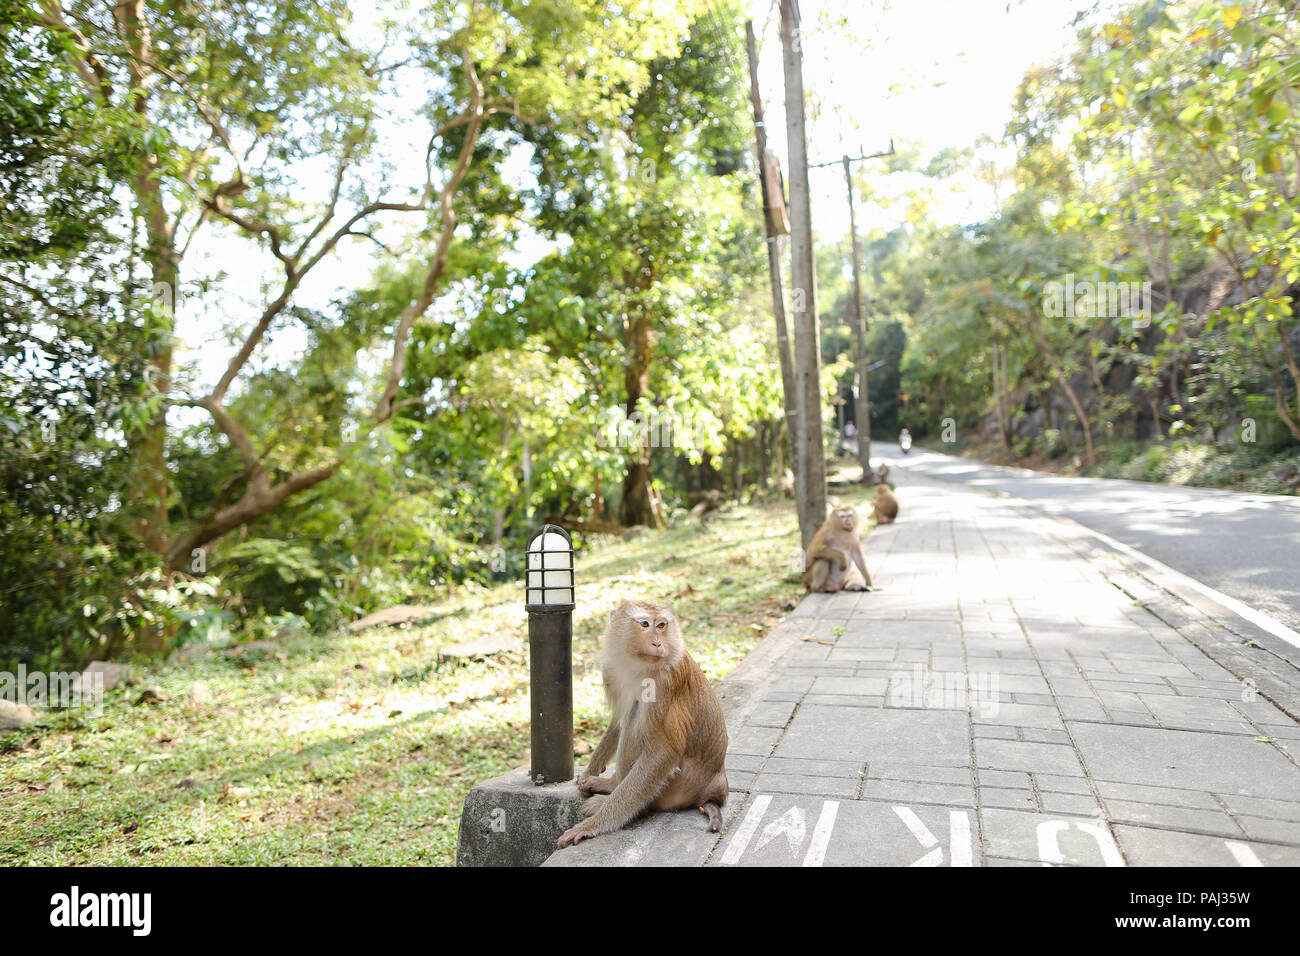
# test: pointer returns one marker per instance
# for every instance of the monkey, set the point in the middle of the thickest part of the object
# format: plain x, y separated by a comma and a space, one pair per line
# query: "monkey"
785, 486
667, 736
881, 473
836, 542
886, 504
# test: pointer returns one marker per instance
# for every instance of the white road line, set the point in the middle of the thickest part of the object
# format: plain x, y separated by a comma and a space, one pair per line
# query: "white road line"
919, 829
959, 837
1049, 842
745, 832
821, 837
923, 837
1242, 853
1258, 618
790, 825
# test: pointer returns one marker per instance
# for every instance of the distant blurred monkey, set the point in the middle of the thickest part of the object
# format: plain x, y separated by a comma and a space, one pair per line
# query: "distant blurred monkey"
886, 505
833, 547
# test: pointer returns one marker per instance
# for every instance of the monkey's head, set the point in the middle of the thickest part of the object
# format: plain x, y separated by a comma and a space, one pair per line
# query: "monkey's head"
882, 489
844, 517
647, 633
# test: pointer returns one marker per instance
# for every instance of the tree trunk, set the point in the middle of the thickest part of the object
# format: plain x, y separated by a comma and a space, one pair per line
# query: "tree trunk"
811, 454
784, 352
637, 508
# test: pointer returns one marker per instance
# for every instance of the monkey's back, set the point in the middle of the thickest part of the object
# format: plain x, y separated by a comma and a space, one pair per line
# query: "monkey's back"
702, 730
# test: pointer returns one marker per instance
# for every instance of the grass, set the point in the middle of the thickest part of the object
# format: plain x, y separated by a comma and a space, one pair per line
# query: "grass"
341, 748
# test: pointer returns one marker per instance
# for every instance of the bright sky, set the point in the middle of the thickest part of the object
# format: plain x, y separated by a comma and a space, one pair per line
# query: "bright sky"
929, 73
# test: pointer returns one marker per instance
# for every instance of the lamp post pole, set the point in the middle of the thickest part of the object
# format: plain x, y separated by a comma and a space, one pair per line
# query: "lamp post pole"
550, 605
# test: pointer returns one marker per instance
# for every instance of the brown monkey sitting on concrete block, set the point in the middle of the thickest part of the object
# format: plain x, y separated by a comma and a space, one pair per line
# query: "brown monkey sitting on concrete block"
667, 736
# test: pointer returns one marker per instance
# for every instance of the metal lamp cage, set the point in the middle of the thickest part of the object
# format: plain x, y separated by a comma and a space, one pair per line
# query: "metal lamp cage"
537, 546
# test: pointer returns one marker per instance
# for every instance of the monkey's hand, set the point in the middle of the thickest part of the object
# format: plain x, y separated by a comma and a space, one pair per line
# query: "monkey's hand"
584, 830
591, 806
589, 783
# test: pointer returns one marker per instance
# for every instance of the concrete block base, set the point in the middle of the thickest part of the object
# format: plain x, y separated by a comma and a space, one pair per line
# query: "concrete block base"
510, 821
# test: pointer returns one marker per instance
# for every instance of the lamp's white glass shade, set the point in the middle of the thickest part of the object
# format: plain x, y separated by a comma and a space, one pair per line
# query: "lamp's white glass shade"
550, 570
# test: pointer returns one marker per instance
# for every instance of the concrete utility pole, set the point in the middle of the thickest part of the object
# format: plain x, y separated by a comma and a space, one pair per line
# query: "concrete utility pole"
862, 403
789, 386
811, 457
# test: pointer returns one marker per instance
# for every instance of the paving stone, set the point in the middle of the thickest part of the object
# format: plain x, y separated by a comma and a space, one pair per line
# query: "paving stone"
1262, 712
1004, 779
1162, 668
1041, 700
1133, 718
1008, 799
1039, 735
852, 686
1074, 686
850, 653
804, 783
1150, 847
1181, 759
1173, 818
753, 740
1102, 686
793, 684
1019, 755
1054, 783
1216, 689
1178, 712
910, 792
885, 770
1114, 700
1021, 715
1170, 796
1023, 684
995, 732
816, 768
1263, 807
1080, 708
1273, 831
865, 734
740, 781
744, 763
771, 714
1069, 804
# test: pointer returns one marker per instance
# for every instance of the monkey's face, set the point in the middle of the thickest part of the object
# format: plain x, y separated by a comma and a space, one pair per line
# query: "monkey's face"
648, 633
847, 518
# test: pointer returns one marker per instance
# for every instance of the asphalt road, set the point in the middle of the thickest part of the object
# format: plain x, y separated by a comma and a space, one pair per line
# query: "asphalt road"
1245, 545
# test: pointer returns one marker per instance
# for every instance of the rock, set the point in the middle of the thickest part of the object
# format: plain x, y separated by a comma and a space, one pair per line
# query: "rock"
187, 784
581, 748
199, 693
152, 695
13, 716
109, 673
399, 614
482, 647
634, 532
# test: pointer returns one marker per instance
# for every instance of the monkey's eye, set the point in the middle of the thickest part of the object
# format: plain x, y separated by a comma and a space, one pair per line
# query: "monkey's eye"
661, 625
644, 624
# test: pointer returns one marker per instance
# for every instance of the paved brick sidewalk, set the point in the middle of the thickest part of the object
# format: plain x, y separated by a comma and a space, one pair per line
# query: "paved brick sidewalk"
1001, 701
